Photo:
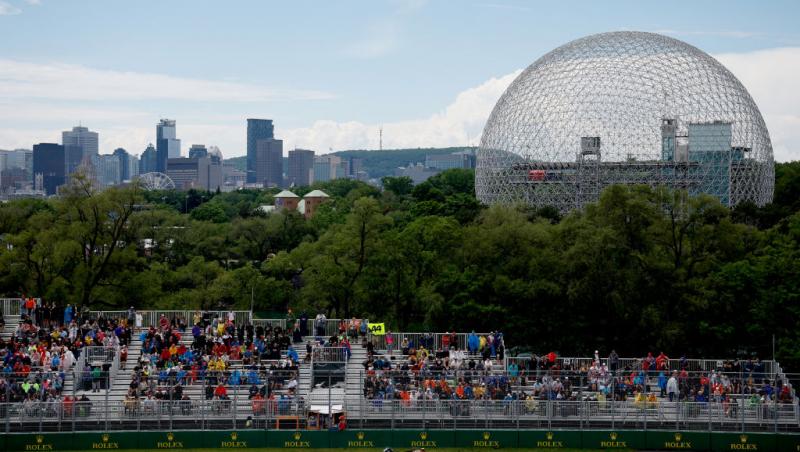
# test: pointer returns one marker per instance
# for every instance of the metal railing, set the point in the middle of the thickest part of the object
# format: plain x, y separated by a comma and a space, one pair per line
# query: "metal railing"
330, 328
13, 306
431, 341
152, 317
233, 411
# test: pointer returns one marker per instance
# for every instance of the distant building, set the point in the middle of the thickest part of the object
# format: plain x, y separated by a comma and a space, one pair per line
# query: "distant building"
257, 129
327, 167
311, 202
83, 138
200, 173
74, 157
124, 163
463, 160
49, 167
286, 200
197, 151
417, 172
269, 162
232, 176
133, 166
13, 179
301, 167
149, 161
108, 170
167, 145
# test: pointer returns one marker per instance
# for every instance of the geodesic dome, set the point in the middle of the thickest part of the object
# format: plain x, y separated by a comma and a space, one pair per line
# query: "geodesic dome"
624, 108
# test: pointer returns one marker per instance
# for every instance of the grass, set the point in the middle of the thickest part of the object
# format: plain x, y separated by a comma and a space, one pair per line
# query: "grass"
396, 449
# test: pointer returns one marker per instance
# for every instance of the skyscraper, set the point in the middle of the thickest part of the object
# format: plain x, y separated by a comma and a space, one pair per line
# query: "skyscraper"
301, 167
149, 160
108, 170
197, 151
49, 164
327, 167
269, 162
167, 146
81, 137
257, 129
124, 165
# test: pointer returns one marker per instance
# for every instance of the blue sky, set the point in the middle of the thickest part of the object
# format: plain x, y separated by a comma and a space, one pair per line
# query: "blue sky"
331, 73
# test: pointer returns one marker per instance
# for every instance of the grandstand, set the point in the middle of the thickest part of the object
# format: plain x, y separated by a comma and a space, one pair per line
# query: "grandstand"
173, 371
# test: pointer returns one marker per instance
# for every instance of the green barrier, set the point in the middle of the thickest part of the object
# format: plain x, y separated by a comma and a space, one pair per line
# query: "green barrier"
171, 440
429, 439
101, 440
361, 439
553, 439
235, 439
401, 439
300, 439
787, 442
678, 440
613, 439
743, 441
486, 438
39, 442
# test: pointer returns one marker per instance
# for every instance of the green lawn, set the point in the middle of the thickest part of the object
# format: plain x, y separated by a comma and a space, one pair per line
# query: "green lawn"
447, 449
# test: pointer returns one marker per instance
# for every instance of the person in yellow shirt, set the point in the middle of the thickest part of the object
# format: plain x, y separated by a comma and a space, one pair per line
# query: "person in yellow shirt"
652, 401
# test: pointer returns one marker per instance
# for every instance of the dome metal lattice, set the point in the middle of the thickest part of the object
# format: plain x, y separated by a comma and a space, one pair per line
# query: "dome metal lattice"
624, 108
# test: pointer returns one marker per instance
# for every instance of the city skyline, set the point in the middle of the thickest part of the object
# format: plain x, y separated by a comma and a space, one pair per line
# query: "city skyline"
415, 69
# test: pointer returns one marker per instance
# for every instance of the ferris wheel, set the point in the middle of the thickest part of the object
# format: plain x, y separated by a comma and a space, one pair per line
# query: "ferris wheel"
156, 181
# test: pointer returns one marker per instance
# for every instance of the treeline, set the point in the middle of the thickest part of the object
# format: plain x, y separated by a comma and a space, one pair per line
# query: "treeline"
640, 270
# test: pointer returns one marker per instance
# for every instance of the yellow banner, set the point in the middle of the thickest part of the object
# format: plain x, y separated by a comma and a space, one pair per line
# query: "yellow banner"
377, 329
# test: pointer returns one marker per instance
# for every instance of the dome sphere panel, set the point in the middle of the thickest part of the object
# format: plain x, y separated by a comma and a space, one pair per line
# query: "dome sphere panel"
621, 87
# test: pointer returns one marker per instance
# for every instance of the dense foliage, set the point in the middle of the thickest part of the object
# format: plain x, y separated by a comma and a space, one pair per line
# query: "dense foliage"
639, 270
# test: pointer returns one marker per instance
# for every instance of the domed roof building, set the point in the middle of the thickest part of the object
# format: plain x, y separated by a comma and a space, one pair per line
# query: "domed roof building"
624, 108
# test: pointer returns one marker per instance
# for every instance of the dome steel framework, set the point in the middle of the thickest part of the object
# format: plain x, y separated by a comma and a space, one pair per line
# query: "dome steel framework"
624, 108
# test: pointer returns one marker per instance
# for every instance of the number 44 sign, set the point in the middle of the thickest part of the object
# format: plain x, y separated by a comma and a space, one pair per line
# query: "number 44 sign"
377, 329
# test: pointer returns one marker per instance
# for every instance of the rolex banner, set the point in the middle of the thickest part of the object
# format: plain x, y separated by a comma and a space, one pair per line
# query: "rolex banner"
402, 439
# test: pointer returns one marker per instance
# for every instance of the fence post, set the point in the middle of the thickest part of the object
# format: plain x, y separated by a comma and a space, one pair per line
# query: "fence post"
235, 404
108, 386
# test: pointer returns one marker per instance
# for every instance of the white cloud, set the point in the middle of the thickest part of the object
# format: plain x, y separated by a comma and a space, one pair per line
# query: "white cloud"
460, 123
770, 77
74, 82
33, 2
7, 9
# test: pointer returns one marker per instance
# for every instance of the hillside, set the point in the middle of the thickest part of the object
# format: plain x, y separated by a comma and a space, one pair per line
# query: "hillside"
377, 163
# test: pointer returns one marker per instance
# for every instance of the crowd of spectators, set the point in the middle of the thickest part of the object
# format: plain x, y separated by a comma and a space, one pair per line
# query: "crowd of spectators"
258, 362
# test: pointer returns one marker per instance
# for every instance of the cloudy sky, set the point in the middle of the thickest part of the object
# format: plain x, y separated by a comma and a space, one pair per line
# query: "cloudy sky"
330, 74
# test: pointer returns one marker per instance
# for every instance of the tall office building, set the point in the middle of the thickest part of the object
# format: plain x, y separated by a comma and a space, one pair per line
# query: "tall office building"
269, 162
327, 167
301, 167
133, 166
82, 138
124, 165
48, 166
149, 161
167, 146
257, 129
108, 170
198, 172
197, 151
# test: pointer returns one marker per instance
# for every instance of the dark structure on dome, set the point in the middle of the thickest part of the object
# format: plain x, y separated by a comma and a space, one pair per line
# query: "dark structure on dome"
624, 108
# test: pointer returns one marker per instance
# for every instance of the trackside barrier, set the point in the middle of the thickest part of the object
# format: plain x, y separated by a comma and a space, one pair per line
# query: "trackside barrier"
220, 414
404, 439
